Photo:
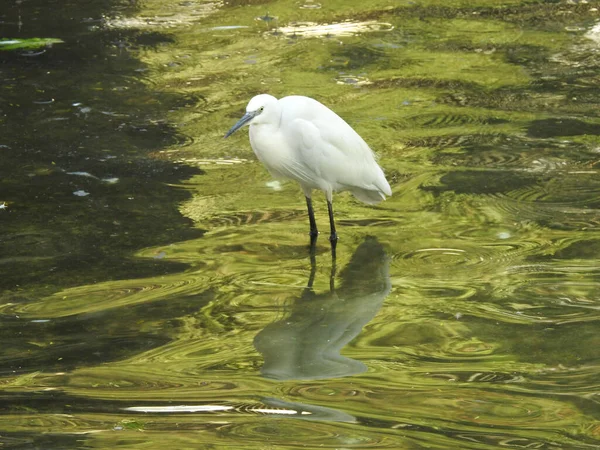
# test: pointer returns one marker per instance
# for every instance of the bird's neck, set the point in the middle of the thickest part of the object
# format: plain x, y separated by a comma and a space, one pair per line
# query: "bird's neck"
269, 147
262, 135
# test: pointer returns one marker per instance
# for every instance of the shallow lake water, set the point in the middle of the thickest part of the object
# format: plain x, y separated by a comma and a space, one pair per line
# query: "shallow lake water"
157, 287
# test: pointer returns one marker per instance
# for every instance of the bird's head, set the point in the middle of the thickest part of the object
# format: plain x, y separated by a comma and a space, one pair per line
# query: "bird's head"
263, 108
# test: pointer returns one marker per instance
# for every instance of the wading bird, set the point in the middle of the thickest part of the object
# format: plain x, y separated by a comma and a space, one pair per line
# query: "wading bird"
301, 139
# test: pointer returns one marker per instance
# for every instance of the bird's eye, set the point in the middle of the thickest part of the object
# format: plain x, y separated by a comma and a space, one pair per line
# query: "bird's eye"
261, 109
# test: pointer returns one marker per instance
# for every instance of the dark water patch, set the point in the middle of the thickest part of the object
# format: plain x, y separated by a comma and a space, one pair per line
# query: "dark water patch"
527, 55
456, 140
84, 108
152, 135
560, 92
580, 191
48, 401
483, 182
516, 152
33, 440
455, 45
396, 176
420, 82
544, 15
586, 220
548, 128
542, 338
352, 57
587, 249
67, 233
77, 351
480, 158
58, 344
441, 120
42, 275
505, 99
190, 100
30, 19
530, 56
588, 405
149, 39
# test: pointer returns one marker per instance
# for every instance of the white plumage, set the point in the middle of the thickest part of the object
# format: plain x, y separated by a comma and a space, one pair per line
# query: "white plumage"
301, 139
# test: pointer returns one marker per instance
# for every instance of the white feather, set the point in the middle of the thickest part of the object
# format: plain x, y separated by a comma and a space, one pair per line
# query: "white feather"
307, 142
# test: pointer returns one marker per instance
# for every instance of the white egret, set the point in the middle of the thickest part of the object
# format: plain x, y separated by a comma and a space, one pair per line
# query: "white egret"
301, 139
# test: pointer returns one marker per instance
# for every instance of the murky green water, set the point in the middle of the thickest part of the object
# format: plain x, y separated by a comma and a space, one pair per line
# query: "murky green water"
154, 278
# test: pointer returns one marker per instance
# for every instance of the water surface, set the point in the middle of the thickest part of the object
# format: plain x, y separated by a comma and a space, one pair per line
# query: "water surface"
157, 288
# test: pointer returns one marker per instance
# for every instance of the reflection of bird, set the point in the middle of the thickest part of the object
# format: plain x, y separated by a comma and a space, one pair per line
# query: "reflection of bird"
299, 138
307, 344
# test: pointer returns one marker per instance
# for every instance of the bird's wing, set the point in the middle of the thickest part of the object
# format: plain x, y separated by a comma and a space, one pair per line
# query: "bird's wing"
294, 169
335, 153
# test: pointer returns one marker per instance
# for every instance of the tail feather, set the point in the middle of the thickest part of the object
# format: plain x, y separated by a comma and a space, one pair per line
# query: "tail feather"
370, 197
384, 186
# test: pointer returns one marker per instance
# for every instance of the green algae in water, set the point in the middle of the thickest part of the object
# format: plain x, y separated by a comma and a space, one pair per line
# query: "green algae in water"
23, 44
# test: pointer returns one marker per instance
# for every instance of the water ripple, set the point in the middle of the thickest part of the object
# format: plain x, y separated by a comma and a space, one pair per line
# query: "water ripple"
90, 299
299, 434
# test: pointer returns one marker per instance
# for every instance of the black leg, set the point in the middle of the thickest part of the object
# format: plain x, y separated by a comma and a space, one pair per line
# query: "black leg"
311, 218
333, 237
333, 269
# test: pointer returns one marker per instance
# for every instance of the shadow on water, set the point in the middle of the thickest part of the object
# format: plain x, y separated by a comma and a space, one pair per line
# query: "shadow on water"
79, 127
306, 344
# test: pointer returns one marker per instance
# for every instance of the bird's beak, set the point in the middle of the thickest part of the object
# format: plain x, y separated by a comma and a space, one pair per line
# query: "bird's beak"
243, 121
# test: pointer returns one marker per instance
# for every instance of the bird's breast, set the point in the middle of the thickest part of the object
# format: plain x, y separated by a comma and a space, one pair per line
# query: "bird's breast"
270, 148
